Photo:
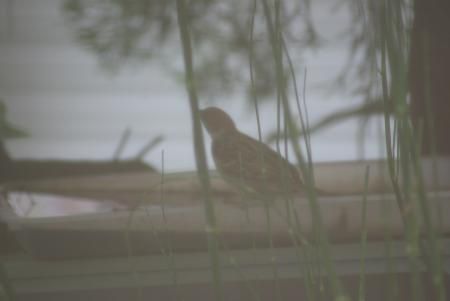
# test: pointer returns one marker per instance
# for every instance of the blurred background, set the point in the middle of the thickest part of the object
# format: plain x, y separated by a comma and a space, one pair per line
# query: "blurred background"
81, 78
75, 74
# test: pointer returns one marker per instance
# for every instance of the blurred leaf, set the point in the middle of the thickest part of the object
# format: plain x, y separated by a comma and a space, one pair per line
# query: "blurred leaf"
121, 32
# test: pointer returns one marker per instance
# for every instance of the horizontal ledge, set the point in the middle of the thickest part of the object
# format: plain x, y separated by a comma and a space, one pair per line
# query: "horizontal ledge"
41, 276
184, 222
337, 178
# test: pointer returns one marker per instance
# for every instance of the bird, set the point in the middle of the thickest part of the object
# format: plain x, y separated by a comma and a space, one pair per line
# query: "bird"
251, 167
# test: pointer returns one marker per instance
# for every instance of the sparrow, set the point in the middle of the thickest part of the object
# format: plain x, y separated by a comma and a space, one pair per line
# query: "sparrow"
248, 165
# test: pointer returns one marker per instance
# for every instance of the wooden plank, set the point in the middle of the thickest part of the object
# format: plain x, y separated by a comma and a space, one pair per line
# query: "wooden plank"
184, 221
337, 178
128, 188
147, 230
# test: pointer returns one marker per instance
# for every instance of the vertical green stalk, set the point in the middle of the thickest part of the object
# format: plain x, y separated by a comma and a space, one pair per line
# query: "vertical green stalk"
170, 256
252, 77
362, 270
274, 32
303, 122
413, 202
391, 57
260, 153
295, 234
391, 279
202, 167
387, 127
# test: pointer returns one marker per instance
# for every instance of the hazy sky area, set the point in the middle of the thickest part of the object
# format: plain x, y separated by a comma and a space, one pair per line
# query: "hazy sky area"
55, 90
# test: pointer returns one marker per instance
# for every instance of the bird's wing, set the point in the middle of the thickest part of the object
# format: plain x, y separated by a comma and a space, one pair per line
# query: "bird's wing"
241, 157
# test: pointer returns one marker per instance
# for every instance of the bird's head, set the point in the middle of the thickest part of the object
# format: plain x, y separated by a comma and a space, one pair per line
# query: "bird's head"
216, 121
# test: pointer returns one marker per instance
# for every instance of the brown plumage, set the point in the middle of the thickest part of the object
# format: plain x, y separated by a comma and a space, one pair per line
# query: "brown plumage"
250, 166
